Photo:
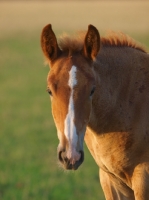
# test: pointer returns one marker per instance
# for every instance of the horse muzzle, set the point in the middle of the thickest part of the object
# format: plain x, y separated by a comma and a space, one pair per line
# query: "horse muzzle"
69, 163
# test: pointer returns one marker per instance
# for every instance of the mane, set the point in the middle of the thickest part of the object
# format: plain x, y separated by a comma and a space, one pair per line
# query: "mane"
75, 43
120, 39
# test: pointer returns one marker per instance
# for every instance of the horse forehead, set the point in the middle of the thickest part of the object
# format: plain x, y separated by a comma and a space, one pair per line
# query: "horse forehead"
78, 76
66, 71
58, 74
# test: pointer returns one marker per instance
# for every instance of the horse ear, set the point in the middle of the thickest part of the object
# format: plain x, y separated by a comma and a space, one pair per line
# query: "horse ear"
49, 43
91, 43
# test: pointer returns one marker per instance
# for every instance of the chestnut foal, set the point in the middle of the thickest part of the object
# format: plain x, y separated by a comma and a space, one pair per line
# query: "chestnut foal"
99, 90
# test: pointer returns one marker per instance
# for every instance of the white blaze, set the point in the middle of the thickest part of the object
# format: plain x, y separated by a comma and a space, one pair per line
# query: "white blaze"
70, 129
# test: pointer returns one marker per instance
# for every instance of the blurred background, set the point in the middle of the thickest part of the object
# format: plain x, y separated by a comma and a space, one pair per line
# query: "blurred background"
28, 140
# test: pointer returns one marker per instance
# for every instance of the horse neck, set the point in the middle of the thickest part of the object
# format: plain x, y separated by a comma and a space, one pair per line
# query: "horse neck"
115, 75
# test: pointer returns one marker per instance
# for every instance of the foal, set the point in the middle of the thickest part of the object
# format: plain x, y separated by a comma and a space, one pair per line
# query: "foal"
99, 90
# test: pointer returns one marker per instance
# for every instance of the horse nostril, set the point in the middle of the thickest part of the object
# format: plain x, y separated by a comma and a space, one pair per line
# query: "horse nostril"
82, 156
62, 157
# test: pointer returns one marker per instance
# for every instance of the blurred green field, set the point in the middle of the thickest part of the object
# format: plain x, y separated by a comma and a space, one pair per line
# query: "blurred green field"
28, 140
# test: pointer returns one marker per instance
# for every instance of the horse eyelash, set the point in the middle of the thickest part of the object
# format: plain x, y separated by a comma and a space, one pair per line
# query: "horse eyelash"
49, 91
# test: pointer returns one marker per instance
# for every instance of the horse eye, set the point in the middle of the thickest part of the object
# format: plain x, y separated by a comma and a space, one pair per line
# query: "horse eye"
92, 91
49, 91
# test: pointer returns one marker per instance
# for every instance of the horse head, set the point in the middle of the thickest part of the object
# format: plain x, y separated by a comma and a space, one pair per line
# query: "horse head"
71, 84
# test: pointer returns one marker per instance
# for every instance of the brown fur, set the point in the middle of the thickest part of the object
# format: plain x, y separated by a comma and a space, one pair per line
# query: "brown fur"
115, 121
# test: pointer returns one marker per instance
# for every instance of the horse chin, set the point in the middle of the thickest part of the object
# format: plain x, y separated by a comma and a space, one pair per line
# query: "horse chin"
67, 164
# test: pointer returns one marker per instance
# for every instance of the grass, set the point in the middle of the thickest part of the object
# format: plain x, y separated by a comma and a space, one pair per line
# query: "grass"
28, 140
